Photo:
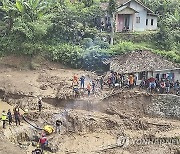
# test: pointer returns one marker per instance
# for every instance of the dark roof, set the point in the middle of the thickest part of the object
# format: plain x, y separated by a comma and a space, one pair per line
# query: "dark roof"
139, 61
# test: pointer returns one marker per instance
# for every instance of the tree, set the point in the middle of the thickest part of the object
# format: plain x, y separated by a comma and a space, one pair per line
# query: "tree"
111, 11
72, 21
29, 18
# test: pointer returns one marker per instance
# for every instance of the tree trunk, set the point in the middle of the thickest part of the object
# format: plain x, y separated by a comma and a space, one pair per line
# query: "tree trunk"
112, 30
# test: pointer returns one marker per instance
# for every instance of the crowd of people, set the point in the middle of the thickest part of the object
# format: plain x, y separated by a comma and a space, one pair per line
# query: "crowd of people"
8, 116
117, 80
162, 85
79, 86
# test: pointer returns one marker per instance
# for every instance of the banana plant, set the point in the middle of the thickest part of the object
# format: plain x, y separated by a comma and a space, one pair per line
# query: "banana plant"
10, 12
29, 10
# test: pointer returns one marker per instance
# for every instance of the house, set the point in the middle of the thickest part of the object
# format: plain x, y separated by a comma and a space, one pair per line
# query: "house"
132, 15
145, 64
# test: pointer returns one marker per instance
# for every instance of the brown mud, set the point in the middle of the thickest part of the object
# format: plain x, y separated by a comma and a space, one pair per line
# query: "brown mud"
91, 125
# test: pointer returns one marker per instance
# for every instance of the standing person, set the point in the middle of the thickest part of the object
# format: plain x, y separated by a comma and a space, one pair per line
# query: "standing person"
93, 87
119, 80
109, 82
58, 126
152, 84
82, 80
40, 104
17, 116
126, 82
9, 114
162, 86
167, 86
131, 81
135, 80
142, 84
4, 116
75, 78
89, 89
75, 85
176, 86
113, 79
43, 142
101, 83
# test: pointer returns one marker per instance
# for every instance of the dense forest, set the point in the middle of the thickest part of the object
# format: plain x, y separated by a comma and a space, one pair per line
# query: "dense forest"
70, 31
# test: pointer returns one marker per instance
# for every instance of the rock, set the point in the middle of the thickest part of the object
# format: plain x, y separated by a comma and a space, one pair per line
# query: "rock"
43, 87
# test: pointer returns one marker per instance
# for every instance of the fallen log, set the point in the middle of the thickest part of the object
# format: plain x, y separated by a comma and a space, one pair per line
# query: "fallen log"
157, 124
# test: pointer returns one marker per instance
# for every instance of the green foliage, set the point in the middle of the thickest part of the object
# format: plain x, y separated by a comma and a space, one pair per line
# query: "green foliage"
68, 32
87, 42
72, 22
168, 12
67, 54
112, 7
123, 47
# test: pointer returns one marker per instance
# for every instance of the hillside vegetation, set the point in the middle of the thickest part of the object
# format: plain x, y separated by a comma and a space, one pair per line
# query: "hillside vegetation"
69, 33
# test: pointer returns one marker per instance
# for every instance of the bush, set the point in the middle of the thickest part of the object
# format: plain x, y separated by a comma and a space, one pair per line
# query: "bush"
122, 47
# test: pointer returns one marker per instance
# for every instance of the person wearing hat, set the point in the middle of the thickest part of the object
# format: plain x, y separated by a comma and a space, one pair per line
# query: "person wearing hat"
58, 125
4, 117
17, 116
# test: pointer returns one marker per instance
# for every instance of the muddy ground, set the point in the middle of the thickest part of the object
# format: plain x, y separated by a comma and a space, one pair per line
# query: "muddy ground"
109, 122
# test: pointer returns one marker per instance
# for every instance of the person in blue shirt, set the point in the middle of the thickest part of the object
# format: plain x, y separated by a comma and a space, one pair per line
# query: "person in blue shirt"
82, 80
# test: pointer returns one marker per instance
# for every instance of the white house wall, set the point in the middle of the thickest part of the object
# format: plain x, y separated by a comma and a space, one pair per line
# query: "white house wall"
142, 14
149, 26
131, 22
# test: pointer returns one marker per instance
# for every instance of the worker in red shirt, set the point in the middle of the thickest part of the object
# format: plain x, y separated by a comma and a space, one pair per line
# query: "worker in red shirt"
43, 142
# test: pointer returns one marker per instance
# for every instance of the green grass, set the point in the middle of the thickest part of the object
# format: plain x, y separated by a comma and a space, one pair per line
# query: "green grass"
127, 46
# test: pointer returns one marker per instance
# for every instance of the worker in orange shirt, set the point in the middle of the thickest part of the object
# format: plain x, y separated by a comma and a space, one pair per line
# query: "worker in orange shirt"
75, 78
89, 89
131, 81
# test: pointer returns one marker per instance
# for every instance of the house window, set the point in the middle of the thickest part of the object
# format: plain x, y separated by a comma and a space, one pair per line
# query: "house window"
152, 22
146, 22
137, 19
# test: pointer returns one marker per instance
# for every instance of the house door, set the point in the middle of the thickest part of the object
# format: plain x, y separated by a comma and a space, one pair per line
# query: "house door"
121, 22
126, 21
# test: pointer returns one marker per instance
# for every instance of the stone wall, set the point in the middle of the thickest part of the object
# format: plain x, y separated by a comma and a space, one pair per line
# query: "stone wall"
165, 106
